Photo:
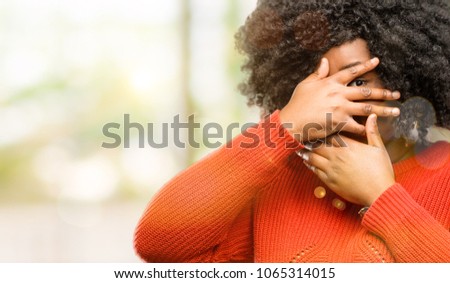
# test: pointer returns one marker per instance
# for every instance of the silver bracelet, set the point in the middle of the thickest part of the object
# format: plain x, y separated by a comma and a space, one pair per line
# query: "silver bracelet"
363, 211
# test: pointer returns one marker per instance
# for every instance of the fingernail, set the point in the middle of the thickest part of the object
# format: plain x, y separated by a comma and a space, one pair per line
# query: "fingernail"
308, 146
305, 156
396, 95
300, 153
374, 60
396, 112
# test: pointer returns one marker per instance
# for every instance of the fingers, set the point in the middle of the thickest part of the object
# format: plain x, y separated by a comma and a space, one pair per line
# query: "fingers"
331, 146
347, 75
318, 171
351, 126
336, 140
322, 71
367, 93
321, 174
313, 159
365, 109
372, 132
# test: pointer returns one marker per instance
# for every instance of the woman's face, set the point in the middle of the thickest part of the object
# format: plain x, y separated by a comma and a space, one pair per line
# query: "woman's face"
348, 55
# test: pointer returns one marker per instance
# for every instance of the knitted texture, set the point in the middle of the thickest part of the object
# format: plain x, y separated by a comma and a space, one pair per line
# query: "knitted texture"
253, 201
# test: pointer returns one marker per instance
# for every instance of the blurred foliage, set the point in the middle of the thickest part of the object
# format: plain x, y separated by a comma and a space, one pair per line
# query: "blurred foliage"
65, 72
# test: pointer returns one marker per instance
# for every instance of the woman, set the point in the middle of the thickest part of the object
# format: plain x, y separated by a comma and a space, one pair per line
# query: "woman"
372, 190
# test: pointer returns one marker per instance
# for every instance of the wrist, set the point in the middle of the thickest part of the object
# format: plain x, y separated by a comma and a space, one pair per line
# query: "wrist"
378, 191
363, 211
288, 124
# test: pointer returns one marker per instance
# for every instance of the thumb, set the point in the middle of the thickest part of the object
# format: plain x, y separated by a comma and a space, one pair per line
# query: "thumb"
373, 134
322, 71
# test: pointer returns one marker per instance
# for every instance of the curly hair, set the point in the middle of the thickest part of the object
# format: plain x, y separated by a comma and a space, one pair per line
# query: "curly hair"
284, 40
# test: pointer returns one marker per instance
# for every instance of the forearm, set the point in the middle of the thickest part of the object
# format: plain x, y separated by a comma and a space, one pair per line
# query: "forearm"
193, 212
410, 231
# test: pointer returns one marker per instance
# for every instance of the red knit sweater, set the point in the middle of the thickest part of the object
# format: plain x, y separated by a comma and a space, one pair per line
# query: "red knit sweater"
257, 203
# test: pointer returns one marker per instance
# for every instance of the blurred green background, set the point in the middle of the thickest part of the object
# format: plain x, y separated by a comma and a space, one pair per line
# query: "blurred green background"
67, 68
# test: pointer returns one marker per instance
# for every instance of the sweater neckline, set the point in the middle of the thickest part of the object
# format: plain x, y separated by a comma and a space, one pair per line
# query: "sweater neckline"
437, 153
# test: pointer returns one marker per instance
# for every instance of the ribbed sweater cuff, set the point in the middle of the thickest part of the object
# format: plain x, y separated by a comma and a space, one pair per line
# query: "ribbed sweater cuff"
393, 210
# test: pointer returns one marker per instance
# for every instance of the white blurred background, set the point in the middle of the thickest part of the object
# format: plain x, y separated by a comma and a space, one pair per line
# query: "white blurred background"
67, 68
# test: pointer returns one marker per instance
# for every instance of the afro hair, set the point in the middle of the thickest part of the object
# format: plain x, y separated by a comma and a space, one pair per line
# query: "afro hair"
284, 40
